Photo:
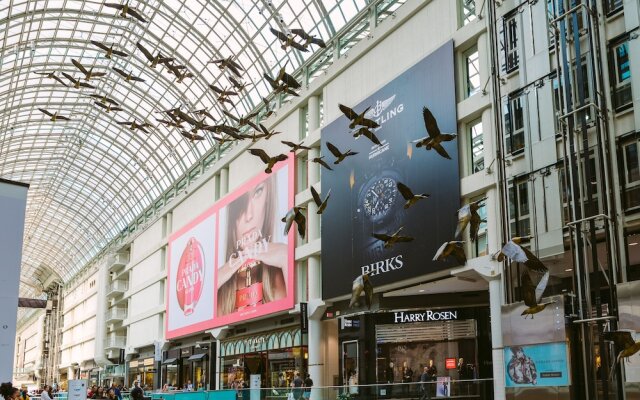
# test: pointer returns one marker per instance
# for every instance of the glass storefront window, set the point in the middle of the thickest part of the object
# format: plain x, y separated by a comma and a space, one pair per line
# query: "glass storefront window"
276, 367
170, 375
200, 374
186, 373
416, 355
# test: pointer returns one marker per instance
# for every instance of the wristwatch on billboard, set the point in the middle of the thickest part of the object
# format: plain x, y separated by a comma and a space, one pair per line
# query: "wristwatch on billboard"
379, 207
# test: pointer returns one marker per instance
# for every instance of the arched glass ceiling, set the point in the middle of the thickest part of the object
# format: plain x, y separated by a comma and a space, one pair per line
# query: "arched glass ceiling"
90, 176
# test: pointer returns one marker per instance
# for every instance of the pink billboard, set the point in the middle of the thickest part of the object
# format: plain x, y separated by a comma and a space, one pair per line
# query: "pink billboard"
242, 268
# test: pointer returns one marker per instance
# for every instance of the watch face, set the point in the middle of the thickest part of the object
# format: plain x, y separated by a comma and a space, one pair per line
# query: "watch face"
379, 198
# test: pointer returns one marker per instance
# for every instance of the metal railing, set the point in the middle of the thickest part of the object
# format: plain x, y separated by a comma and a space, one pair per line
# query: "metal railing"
442, 388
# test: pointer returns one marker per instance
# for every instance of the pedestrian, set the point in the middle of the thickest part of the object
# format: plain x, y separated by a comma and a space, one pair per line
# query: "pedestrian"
424, 384
297, 385
92, 391
308, 384
99, 394
432, 371
407, 377
24, 394
116, 391
9, 392
136, 392
46, 393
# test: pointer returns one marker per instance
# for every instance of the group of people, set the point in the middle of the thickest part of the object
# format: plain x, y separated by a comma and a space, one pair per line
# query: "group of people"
301, 389
428, 377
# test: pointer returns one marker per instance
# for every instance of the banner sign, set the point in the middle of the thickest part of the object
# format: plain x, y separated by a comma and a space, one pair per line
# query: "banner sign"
304, 318
77, 389
365, 198
536, 365
234, 262
13, 203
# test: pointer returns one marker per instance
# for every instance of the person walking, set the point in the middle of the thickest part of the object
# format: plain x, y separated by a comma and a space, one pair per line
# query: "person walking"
116, 391
46, 393
424, 384
432, 371
407, 377
136, 392
308, 384
9, 392
297, 385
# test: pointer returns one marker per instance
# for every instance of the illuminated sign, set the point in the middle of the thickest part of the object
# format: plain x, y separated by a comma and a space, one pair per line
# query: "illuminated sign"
403, 317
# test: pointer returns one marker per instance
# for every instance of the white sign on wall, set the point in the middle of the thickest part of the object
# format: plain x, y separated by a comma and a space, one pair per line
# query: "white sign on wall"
191, 268
78, 389
254, 384
13, 202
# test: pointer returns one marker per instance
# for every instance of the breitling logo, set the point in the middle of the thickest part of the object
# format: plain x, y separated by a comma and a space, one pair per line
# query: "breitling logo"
383, 112
380, 107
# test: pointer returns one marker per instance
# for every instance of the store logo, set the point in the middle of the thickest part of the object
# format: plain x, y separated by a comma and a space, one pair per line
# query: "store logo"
401, 317
190, 276
381, 267
379, 112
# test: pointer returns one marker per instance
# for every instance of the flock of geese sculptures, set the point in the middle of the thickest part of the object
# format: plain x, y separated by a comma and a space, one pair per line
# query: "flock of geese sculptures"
229, 128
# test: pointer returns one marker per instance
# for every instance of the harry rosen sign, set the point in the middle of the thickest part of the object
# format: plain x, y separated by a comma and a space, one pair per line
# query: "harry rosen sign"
401, 317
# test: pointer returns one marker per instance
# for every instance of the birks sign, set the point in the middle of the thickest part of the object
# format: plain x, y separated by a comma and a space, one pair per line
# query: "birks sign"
403, 317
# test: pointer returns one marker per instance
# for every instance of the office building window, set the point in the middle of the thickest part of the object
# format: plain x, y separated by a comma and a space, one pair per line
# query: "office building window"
476, 137
620, 76
565, 194
632, 175
468, 8
304, 122
519, 208
510, 41
514, 125
585, 80
472, 72
302, 172
481, 247
613, 6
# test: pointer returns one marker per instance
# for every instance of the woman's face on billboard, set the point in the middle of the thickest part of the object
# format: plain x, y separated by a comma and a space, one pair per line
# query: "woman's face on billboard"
251, 220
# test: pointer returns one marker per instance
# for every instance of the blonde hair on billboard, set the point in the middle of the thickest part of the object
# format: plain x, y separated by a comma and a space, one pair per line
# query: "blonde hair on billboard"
271, 276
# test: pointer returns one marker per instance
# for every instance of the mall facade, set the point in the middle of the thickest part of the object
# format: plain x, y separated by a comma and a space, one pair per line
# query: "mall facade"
205, 288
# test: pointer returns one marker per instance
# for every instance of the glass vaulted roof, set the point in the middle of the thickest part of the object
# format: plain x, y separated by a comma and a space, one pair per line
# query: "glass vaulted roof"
91, 176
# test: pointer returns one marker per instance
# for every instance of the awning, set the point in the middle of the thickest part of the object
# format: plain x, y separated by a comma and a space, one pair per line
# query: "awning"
197, 357
169, 361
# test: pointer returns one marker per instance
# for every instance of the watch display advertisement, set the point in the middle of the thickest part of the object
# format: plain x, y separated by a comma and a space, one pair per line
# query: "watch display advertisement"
364, 194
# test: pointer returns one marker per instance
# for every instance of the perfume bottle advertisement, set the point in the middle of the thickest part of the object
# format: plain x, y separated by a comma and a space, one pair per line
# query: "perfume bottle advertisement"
254, 274
191, 272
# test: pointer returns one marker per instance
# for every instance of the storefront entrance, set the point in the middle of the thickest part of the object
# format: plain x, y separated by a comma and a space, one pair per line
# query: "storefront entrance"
276, 357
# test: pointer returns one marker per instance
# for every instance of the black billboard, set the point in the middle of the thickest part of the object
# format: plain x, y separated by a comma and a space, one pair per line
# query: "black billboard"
364, 196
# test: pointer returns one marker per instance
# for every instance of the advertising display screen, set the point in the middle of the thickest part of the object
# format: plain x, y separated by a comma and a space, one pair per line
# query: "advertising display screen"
255, 258
536, 365
190, 272
233, 262
364, 194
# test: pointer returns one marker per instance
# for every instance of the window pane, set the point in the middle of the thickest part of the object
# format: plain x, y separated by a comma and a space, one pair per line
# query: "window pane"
473, 73
523, 199
477, 147
468, 11
622, 62
631, 162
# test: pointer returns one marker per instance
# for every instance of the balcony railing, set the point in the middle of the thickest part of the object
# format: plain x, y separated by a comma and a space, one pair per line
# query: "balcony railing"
117, 288
115, 342
115, 314
118, 261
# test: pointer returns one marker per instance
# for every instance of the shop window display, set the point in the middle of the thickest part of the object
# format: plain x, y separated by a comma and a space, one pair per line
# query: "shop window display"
276, 367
